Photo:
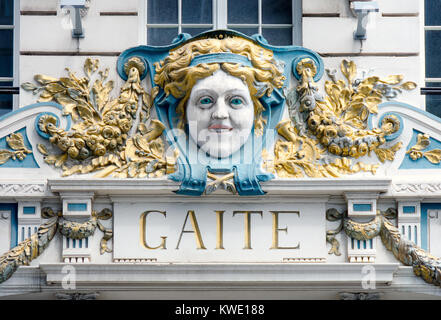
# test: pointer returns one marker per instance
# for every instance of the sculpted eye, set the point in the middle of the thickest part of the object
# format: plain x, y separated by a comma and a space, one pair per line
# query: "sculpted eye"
206, 102
236, 102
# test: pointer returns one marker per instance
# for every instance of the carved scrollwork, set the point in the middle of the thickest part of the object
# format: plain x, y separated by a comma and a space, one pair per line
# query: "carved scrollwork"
334, 215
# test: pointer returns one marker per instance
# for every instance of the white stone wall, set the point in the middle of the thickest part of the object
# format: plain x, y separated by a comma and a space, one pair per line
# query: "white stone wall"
47, 46
393, 45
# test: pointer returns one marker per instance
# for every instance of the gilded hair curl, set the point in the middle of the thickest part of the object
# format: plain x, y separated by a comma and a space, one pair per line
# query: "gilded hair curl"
176, 77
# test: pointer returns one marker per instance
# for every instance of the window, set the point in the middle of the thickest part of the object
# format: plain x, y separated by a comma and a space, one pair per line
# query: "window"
432, 36
8, 54
279, 21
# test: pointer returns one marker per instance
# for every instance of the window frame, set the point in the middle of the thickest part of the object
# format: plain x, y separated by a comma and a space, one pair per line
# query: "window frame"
428, 88
15, 55
220, 16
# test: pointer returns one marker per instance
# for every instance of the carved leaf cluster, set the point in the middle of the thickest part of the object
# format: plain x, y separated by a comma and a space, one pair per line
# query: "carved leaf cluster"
15, 141
337, 123
102, 137
416, 152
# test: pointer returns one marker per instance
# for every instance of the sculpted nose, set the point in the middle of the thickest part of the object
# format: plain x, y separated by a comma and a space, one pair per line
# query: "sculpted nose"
220, 110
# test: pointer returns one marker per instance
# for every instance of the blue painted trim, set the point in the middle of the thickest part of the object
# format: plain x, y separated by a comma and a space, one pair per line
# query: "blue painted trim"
409, 209
35, 105
362, 207
405, 106
42, 134
424, 222
12, 207
77, 206
221, 57
28, 210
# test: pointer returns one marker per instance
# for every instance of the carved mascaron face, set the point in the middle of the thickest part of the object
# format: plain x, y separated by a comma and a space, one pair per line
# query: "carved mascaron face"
220, 114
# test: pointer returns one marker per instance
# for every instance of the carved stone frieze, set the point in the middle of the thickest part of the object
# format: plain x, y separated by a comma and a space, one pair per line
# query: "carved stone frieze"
417, 187
21, 188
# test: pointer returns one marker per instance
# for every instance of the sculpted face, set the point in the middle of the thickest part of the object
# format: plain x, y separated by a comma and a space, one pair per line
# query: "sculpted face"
220, 114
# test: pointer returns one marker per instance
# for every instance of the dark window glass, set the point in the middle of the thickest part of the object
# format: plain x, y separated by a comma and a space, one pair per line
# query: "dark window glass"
276, 11
278, 36
162, 11
5, 100
432, 12
161, 36
6, 41
194, 31
197, 11
243, 11
433, 54
7, 12
248, 31
433, 101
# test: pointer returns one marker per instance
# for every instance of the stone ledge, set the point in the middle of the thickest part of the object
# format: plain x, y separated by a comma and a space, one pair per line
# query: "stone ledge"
327, 186
127, 274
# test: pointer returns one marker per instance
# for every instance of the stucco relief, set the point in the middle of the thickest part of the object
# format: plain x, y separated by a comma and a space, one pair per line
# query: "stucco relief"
219, 99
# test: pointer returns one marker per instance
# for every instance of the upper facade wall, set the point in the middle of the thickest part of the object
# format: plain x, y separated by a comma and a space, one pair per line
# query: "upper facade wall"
394, 43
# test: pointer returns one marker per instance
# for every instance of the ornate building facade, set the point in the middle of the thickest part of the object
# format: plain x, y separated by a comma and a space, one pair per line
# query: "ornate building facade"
214, 149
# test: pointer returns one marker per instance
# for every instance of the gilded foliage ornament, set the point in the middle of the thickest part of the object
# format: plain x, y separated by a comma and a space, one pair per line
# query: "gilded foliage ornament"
103, 136
416, 152
324, 133
19, 151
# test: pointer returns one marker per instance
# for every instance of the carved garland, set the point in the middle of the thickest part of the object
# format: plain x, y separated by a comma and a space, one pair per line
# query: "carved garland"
424, 264
32, 247
78, 231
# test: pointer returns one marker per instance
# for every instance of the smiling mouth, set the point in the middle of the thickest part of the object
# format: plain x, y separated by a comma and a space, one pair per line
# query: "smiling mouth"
220, 128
